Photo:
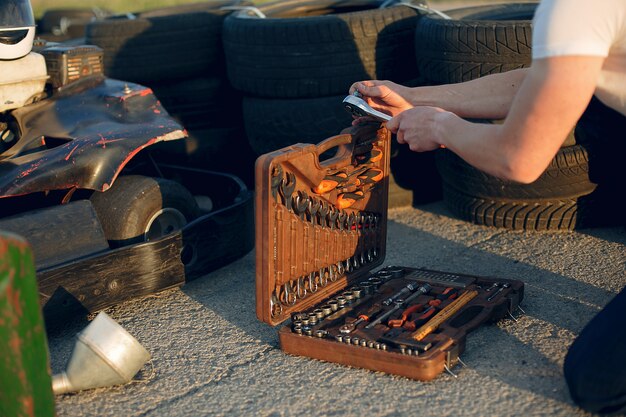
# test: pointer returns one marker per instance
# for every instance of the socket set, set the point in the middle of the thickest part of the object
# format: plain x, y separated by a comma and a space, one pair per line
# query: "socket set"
321, 224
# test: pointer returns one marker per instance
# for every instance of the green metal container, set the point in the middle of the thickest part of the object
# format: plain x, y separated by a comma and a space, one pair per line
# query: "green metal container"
25, 382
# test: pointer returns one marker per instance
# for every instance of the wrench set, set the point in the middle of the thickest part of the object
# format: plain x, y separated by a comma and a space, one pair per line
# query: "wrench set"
319, 219
338, 242
321, 224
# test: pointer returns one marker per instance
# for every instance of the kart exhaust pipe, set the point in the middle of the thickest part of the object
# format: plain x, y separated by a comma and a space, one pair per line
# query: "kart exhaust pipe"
104, 355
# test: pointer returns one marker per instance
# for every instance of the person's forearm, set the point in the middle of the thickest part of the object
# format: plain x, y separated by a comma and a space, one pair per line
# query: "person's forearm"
552, 98
480, 145
488, 97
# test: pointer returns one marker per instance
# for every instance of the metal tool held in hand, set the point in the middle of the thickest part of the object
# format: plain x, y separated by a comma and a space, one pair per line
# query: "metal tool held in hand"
359, 108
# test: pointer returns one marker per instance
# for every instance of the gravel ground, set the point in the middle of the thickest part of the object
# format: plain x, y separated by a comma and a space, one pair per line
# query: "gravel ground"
211, 356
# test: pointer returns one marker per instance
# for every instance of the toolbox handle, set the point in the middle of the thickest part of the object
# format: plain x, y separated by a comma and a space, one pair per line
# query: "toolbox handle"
339, 141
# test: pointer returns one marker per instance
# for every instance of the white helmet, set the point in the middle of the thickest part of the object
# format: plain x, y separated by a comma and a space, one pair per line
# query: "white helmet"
17, 28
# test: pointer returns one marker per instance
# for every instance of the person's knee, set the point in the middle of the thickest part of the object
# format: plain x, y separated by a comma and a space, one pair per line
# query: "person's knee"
595, 365
592, 386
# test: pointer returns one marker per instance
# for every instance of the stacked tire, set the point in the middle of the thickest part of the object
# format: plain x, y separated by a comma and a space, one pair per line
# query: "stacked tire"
177, 51
483, 40
295, 60
61, 24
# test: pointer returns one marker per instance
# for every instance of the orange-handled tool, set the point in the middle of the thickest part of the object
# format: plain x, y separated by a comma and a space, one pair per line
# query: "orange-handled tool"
370, 176
345, 200
425, 316
375, 154
330, 182
348, 327
405, 315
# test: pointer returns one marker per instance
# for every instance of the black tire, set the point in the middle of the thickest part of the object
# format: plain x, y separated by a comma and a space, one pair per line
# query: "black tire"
60, 25
416, 171
169, 43
218, 149
477, 41
536, 215
582, 187
562, 198
567, 176
127, 208
201, 103
51, 18
272, 124
306, 48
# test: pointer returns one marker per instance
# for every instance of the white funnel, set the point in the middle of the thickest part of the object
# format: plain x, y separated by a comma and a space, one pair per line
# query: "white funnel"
104, 355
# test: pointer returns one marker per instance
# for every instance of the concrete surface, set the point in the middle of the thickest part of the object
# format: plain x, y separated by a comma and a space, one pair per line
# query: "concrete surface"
211, 356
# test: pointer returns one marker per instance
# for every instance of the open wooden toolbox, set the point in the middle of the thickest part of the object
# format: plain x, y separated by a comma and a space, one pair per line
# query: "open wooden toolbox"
321, 229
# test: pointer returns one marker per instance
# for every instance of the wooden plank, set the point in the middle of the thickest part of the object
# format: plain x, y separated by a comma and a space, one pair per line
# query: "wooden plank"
60, 233
102, 280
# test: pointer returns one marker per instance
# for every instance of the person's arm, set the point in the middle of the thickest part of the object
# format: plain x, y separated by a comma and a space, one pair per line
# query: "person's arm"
552, 97
488, 97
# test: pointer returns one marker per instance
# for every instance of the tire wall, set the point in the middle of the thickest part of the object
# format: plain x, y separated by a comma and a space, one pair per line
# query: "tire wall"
483, 40
475, 42
177, 51
295, 66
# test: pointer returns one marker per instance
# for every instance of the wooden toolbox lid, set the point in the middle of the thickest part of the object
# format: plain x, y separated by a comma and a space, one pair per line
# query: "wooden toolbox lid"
321, 218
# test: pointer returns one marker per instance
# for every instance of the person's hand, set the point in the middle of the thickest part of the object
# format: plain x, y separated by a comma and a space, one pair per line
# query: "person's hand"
384, 96
420, 127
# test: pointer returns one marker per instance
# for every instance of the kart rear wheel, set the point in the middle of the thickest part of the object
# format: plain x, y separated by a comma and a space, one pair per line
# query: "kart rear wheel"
138, 209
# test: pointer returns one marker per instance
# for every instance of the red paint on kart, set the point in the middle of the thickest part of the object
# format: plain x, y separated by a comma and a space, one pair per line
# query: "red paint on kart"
136, 151
104, 141
92, 124
30, 169
71, 152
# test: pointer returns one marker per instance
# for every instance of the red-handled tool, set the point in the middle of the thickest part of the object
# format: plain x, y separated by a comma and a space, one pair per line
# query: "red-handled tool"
423, 318
405, 315
448, 294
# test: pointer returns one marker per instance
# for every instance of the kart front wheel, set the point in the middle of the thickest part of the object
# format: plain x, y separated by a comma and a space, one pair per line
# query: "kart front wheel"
137, 209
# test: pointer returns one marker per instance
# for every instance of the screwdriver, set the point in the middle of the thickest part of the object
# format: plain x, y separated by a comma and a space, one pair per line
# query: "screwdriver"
370, 176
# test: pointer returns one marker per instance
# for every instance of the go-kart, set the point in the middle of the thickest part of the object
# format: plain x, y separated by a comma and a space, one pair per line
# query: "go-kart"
84, 178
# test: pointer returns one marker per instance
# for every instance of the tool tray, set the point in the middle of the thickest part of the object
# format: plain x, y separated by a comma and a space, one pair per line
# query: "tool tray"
321, 228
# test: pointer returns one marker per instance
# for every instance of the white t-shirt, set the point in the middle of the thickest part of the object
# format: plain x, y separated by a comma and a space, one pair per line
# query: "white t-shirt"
591, 28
